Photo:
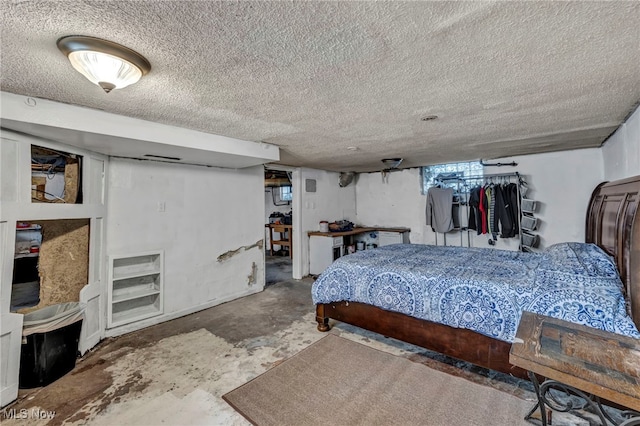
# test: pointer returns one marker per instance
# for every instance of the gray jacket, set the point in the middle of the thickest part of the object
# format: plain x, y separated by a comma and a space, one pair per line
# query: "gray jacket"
439, 207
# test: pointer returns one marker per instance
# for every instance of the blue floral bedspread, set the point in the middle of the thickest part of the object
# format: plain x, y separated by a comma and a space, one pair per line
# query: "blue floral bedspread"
484, 290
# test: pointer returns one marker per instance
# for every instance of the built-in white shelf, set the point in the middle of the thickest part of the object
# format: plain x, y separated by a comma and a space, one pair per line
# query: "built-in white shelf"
132, 275
135, 287
123, 297
135, 266
128, 316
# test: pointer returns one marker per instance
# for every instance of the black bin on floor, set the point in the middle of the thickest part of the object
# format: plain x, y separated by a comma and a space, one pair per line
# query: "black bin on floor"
50, 339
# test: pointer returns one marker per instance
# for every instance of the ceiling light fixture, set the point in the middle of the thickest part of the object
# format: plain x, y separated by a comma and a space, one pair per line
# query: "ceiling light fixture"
107, 64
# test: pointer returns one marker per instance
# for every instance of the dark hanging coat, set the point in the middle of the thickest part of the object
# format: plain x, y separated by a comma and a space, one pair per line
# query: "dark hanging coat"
503, 215
475, 217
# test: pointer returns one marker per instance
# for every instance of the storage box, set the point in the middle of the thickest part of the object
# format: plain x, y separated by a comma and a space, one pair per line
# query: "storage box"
49, 347
528, 206
530, 240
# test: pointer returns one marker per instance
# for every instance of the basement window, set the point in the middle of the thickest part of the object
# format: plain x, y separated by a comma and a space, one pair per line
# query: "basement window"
430, 174
56, 176
285, 193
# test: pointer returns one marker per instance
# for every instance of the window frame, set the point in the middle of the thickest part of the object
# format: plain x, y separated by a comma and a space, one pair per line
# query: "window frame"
467, 168
286, 193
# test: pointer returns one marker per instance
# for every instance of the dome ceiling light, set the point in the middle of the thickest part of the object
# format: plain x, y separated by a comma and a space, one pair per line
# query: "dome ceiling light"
107, 64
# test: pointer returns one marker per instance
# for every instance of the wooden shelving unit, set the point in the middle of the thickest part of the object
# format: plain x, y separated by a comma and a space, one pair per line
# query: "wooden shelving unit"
135, 287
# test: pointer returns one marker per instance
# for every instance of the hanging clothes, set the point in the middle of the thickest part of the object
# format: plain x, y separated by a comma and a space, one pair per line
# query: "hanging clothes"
439, 209
493, 208
475, 217
514, 202
492, 223
484, 209
503, 216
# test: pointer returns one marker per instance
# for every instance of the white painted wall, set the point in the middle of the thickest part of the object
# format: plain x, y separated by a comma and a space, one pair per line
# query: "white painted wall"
208, 212
621, 152
561, 182
330, 202
394, 202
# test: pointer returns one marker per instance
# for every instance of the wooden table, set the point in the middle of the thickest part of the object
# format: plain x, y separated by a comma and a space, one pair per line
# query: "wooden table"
357, 230
326, 247
284, 240
580, 360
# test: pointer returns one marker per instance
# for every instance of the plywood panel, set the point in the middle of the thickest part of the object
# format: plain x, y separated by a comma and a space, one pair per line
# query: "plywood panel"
64, 261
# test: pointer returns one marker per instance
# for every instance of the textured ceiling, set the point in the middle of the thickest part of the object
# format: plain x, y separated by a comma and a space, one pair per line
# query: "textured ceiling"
318, 77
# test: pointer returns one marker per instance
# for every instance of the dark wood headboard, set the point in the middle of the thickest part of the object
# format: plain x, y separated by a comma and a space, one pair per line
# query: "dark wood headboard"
612, 225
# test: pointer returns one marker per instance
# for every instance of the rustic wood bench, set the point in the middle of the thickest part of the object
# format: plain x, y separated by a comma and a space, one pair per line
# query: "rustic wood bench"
581, 361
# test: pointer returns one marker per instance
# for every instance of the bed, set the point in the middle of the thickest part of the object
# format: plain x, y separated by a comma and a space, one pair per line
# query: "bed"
411, 283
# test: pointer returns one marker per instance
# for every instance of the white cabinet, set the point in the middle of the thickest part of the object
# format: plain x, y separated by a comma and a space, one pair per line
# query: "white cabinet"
323, 250
325, 247
135, 287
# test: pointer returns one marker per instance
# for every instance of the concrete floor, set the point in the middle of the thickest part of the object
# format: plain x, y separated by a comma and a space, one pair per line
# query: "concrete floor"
176, 372
277, 269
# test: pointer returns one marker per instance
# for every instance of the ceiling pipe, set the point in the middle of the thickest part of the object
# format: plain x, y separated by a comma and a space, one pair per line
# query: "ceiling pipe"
483, 164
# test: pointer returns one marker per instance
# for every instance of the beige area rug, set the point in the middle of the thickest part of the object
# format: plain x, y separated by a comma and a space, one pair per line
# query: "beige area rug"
336, 381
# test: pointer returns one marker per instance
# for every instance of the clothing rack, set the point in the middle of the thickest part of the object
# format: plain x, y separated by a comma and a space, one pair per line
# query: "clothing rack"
462, 186
481, 177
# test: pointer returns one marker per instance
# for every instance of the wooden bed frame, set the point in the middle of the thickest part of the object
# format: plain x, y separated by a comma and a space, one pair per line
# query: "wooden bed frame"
611, 224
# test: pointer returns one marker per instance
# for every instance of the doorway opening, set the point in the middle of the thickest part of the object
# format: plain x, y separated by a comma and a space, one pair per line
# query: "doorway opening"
279, 247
